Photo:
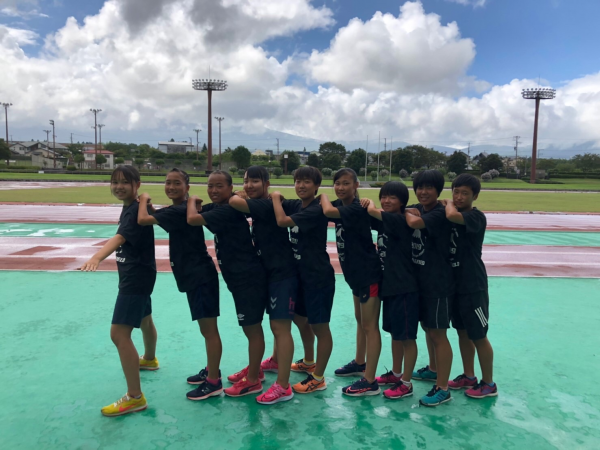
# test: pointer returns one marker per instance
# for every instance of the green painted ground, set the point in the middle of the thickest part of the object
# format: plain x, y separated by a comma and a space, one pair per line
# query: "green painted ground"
488, 201
60, 367
108, 231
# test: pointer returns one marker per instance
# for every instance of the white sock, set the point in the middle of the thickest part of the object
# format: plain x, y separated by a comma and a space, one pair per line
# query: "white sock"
397, 375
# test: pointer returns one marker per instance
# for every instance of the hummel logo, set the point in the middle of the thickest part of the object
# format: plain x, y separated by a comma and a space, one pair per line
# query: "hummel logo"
273, 302
240, 317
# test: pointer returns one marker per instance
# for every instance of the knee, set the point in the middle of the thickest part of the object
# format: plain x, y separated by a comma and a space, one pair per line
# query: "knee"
118, 336
370, 327
281, 328
438, 337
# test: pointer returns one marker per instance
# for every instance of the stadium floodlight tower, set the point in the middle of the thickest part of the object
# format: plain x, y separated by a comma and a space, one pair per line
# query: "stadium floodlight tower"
538, 95
209, 86
5, 106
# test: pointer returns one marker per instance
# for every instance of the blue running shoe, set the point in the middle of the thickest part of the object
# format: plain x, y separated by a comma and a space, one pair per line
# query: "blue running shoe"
205, 390
200, 377
362, 387
424, 374
351, 370
436, 396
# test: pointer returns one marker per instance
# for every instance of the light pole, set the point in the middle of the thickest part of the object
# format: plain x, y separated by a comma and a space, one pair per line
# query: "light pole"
220, 119
197, 130
47, 140
209, 86
6, 105
285, 158
100, 125
537, 95
53, 143
95, 111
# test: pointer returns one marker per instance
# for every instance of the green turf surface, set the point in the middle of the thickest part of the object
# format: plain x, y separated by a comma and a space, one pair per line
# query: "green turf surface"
63, 230
488, 201
60, 367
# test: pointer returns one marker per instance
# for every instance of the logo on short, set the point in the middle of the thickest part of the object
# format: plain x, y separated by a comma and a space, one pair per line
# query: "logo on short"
273, 302
240, 317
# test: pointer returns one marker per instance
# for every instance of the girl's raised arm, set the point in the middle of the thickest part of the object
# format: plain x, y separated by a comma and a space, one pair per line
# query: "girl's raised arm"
329, 210
193, 217
107, 249
283, 220
144, 218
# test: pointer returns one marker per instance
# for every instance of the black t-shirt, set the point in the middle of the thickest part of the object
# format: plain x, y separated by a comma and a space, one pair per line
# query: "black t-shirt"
236, 254
431, 253
190, 261
309, 243
394, 243
272, 242
135, 258
465, 247
358, 255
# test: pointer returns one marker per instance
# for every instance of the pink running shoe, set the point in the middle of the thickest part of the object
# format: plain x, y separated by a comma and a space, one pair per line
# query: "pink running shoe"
388, 378
268, 365
462, 382
275, 394
243, 387
243, 374
400, 390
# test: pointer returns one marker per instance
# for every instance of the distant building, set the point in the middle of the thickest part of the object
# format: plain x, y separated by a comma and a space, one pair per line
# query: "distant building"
22, 148
303, 156
90, 159
269, 153
259, 153
175, 147
45, 158
479, 157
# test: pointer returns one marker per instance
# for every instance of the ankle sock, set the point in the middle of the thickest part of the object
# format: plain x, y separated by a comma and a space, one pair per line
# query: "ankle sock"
471, 378
137, 398
397, 375
213, 382
317, 377
308, 363
407, 383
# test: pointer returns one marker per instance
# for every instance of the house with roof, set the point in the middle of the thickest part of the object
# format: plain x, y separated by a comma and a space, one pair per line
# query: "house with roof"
25, 147
175, 147
90, 159
45, 158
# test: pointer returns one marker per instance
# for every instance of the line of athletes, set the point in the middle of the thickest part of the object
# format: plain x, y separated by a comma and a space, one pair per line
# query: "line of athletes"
426, 267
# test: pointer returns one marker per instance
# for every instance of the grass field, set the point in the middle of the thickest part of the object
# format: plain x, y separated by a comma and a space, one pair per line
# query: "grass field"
488, 201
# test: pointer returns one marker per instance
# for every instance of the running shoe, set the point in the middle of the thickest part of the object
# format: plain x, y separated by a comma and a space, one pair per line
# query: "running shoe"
275, 394
400, 390
351, 369
482, 390
243, 387
361, 388
200, 377
244, 373
205, 390
310, 384
148, 364
301, 366
462, 382
388, 378
125, 405
268, 365
436, 396
424, 374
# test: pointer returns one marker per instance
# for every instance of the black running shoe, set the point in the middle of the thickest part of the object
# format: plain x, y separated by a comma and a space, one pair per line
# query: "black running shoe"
205, 390
201, 377
351, 369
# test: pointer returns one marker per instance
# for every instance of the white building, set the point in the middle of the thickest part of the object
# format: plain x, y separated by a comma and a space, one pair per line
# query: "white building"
22, 148
90, 159
175, 147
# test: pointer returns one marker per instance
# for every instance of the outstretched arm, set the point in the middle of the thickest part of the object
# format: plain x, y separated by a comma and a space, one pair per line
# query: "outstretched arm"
329, 210
144, 218
373, 211
415, 222
283, 220
107, 249
193, 217
237, 202
452, 214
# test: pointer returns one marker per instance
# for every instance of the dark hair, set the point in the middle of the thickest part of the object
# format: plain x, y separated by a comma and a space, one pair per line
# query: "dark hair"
397, 189
345, 171
183, 173
225, 174
308, 173
466, 179
429, 177
257, 172
130, 174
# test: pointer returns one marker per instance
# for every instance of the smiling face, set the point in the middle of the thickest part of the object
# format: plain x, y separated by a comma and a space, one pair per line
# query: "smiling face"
176, 188
306, 189
345, 187
463, 198
123, 190
390, 203
256, 187
219, 190
427, 196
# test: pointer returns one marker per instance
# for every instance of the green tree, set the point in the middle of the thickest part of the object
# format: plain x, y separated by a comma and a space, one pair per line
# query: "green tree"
4, 152
159, 162
327, 148
241, 156
119, 160
356, 160
205, 148
75, 149
100, 159
293, 160
313, 160
587, 161
457, 162
424, 157
79, 159
139, 162
333, 161
490, 162
402, 159
277, 172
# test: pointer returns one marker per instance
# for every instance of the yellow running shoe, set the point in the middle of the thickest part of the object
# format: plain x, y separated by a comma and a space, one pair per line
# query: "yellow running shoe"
309, 385
301, 366
125, 405
148, 364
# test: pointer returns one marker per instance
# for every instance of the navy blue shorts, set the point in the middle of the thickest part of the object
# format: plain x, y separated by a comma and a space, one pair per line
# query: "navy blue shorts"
435, 312
130, 309
472, 312
316, 304
250, 303
282, 299
366, 292
204, 300
401, 316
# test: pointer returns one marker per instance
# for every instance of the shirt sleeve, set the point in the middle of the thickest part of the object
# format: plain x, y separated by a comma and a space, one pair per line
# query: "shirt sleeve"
435, 220
393, 223
171, 218
475, 221
215, 217
352, 215
261, 208
309, 217
129, 228
377, 224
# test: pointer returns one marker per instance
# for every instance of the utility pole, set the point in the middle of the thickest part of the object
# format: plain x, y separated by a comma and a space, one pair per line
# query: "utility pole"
220, 119
517, 153
100, 125
197, 130
469, 155
47, 141
367, 159
71, 138
391, 147
6, 105
53, 143
95, 111
538, 95
378, 152
277, 146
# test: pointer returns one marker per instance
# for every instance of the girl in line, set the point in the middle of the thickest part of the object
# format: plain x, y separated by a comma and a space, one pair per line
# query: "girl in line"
242, 271
137, 273
399, 292
195, 274
362, 270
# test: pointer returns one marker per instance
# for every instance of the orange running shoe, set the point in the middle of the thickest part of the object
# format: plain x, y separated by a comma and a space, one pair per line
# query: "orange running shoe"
301, 366
309, 385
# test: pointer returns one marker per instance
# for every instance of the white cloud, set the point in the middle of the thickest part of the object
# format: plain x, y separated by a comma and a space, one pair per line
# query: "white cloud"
14, 37
474, 3
24, 9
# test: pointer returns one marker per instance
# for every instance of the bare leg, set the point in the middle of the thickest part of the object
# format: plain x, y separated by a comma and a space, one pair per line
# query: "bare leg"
282, 330
150, 337
274, 355
443, 355
324, 347
256, 349
486, 359
130, 360
307, 335
214, 347
431, 351
467, 353
397, 356
410, 358
361, 339
370, 326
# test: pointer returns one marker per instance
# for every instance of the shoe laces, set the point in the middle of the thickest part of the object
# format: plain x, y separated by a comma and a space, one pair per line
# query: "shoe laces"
308, 380
123, 399
389, 373
433, 391
300, 361
479, 385
459, 378
423, 369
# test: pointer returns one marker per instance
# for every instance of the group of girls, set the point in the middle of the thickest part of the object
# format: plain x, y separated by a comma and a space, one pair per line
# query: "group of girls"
278, 264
